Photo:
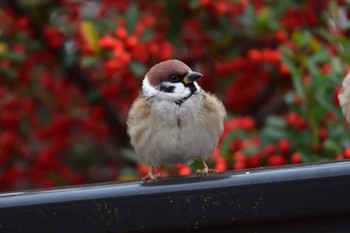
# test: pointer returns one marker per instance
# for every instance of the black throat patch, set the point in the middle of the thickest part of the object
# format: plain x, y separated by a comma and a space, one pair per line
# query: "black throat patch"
193, 90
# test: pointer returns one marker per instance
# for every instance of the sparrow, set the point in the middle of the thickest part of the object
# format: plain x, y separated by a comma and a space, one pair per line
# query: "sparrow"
173, 120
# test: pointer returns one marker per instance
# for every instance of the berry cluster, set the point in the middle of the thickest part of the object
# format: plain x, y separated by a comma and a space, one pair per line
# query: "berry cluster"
69, 76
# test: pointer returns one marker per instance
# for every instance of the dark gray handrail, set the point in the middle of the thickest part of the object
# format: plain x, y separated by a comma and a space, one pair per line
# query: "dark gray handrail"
304, 198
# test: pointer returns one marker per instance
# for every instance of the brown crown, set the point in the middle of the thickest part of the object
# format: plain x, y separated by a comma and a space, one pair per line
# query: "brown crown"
161, 71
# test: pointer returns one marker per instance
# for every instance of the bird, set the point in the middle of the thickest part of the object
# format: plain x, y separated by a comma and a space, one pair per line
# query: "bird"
174, 121
344, 97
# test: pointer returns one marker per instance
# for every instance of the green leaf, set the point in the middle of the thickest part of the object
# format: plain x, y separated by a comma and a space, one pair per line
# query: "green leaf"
196, 164
336, 65
89, 61
321, 56
302, 38
93, 95
331, 146
176, 22
147, 35
225, 145
89, 32
69, 60
194, 4
250, 150
279, 9
289, 97
286, 51
224, 26
296, 77
272, 134
137, 68
84, 155
275, 122
128, 172
106, 25
317, 113
325, 102
15, 57
325, 34
263, 21
313, 68
8, 73
307, 156
248, 20
130, 155
275, 129
34, 45
131, 17
301, 138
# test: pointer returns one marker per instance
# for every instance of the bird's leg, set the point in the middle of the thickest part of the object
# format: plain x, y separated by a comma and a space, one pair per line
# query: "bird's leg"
205, 170
151, 175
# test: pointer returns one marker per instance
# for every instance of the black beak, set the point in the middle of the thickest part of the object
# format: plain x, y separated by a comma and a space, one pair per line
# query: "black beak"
191, 76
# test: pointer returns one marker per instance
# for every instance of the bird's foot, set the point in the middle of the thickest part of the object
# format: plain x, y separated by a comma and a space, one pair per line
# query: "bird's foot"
205, 171
152, 177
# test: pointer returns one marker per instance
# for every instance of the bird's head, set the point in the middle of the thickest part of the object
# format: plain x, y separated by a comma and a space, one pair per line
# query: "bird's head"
170, 80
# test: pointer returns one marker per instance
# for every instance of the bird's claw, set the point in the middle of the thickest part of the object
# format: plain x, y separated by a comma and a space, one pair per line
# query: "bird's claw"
152, 177
205, 171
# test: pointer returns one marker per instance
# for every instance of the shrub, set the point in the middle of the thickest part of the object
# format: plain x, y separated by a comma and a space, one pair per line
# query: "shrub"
70, 73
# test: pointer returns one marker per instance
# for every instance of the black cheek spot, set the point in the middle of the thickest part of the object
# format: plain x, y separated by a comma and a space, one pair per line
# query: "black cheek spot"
168, 89
192, 87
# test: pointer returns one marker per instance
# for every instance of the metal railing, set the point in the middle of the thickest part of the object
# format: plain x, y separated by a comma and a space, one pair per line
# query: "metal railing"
303, 198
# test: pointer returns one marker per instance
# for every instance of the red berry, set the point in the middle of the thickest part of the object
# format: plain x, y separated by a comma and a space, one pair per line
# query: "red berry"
284, 145
239, 156
47, 183
323, 134
185, 170
254, 161
204, 2
10, 176
131, 41
239, 165
297, 100
276, 160
143, 169
247, 123
221, 164
255, 54
347, 152
296, 158
121, 32
269, 149
339, 156
236, 144
7, 141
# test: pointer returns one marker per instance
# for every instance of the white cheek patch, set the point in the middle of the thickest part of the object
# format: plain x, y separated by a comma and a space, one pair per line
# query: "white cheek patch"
180, 91
198, 88
147, 89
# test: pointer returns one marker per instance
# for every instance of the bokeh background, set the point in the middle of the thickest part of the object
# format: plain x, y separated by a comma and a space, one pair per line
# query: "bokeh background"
70, 69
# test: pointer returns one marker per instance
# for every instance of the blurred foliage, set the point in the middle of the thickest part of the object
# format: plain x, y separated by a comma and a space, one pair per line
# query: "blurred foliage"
71, 69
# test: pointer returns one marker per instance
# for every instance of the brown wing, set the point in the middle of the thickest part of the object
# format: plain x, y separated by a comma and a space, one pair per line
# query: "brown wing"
214, 112
138, 114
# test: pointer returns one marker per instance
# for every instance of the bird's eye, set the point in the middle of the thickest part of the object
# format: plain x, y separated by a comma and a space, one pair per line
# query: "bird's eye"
174, 78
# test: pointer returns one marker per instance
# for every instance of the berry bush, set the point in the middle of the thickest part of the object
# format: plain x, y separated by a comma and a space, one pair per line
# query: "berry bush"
69, 71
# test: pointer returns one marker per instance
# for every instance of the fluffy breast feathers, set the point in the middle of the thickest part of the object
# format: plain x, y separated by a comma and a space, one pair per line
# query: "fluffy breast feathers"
164, 132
